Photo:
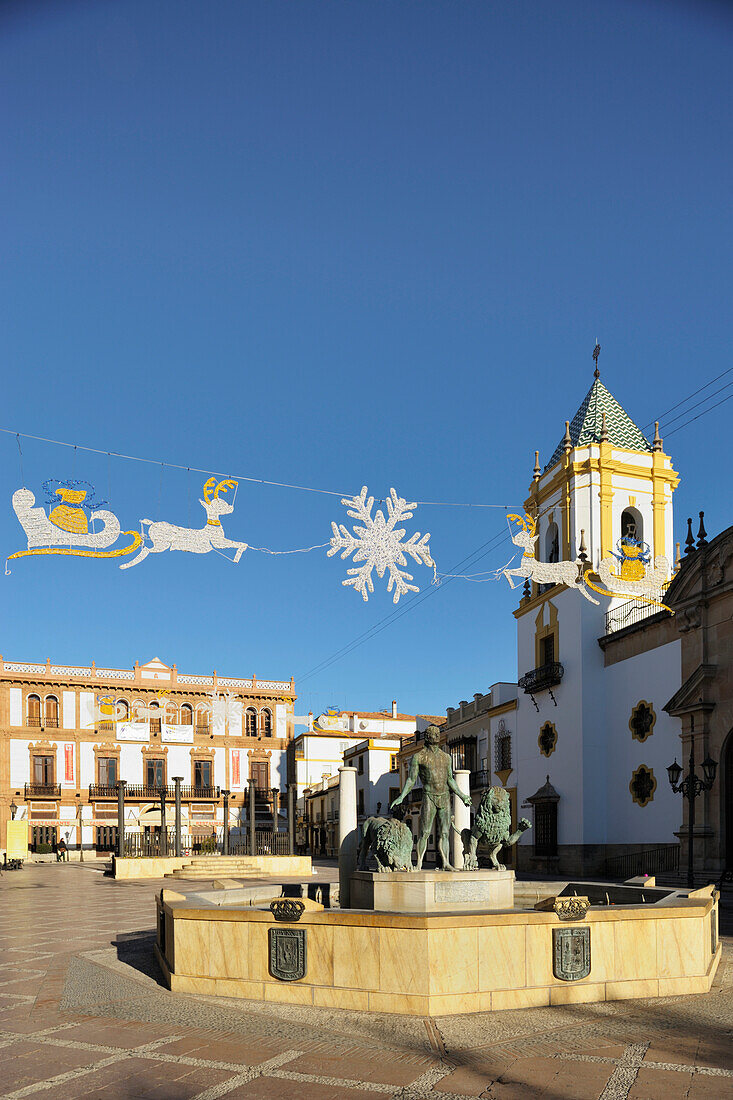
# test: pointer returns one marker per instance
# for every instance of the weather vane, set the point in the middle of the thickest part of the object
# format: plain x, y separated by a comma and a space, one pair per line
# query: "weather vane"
596, 353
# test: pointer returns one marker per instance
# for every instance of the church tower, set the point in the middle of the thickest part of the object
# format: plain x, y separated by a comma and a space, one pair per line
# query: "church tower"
604, 481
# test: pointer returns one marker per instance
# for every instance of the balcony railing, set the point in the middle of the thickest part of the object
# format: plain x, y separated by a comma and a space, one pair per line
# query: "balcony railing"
542, 678
33, 720
202, 728
51, 723
143, 790
481, 778
631, 612
155, 725
42, 790
415, 794
102, 790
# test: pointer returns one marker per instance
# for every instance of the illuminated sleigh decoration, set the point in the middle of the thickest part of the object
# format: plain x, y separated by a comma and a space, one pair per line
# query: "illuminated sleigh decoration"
635, 579
66, 529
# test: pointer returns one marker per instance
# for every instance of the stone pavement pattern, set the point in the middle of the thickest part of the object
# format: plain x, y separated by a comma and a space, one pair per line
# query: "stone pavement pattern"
83, 1013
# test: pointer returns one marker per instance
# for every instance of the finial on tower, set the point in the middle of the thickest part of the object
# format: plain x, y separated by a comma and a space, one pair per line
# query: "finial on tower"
536, 471
596, 353
583, 549
567, 441
604, 429
657, 441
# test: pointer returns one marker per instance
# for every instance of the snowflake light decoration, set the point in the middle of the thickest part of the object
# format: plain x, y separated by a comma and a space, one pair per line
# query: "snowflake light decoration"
379, 544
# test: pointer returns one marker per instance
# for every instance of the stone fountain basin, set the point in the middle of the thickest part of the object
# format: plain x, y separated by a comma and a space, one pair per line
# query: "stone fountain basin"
438, 963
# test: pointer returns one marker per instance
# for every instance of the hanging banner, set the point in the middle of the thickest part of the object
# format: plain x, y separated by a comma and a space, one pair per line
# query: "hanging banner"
236, 781
68, 763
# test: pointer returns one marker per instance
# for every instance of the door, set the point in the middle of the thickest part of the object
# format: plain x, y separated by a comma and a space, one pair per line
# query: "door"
260, 771
43, 771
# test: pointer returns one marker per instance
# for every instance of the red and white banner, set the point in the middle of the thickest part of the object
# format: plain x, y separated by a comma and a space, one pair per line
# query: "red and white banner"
236, 781
68, 763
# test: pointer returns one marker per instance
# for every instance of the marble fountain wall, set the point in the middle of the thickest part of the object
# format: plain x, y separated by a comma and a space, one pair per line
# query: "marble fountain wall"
437, 963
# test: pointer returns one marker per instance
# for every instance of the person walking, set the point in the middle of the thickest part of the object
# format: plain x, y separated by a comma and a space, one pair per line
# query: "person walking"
62, 852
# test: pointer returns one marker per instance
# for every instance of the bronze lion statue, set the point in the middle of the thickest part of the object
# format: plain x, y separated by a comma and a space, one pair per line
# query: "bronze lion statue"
389, 841
492, 823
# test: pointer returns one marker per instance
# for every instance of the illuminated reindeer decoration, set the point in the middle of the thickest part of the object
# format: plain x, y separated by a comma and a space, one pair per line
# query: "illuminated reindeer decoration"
542, 572
166, 536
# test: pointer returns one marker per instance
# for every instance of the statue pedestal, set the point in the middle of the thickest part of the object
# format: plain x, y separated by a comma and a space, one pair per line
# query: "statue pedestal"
432, 891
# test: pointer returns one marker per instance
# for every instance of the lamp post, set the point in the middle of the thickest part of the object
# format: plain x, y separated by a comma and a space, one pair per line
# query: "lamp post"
225, 831
690, 788
81, 835
13, 811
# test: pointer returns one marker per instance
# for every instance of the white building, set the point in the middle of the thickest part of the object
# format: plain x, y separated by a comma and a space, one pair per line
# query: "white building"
590, 715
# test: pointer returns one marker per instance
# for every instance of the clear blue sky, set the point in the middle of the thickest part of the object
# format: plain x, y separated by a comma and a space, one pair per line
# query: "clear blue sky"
345, 243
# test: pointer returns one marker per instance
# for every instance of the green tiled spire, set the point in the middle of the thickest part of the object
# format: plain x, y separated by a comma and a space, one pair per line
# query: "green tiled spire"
585, 426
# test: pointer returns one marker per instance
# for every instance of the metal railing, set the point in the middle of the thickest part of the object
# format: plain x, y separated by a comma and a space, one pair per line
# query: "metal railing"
52, 723
415, 794
137, 790
266, 844
142, 845
102, 790
202, 728
546, 676
33, 720
42, 790
629, 613
481, 778
653, 862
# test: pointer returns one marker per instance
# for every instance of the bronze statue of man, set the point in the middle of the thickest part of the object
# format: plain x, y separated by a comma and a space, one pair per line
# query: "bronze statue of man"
436, 774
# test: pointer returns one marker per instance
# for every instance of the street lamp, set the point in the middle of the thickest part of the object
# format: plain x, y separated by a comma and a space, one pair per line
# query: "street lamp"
690, 788
13, 811
81, 834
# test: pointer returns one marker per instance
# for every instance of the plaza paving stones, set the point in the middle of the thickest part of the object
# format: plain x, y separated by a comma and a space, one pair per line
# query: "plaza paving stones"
84, 1013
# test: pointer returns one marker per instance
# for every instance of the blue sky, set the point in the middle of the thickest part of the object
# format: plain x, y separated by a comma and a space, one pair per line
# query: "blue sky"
345, 243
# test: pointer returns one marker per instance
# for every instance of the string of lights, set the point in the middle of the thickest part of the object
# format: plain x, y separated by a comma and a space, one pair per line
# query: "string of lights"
217, 473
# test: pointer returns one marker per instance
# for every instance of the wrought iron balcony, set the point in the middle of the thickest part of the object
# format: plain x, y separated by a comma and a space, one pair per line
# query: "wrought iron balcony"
153, 793
51, 723
480, 778
33, 720
202, 728
42, 790
544, 678
102, 790
155, 725
415, 794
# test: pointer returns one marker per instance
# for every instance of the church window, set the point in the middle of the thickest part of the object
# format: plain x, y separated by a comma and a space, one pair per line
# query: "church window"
552, 543
642, 721
502, 752
545, 829
547, 649
632, 525
642, 785
547, 739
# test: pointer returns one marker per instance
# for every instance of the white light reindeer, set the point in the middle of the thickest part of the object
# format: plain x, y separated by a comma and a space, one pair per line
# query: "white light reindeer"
542, 572
166, 536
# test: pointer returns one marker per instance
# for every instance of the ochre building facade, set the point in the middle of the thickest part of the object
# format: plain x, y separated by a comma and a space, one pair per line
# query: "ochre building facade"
69, 734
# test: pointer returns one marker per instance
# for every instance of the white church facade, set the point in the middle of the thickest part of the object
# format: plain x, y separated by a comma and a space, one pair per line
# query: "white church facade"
592, 738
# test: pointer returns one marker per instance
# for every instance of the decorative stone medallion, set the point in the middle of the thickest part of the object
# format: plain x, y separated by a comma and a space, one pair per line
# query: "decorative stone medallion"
547, 739
287, 953
571, 953
643, 785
